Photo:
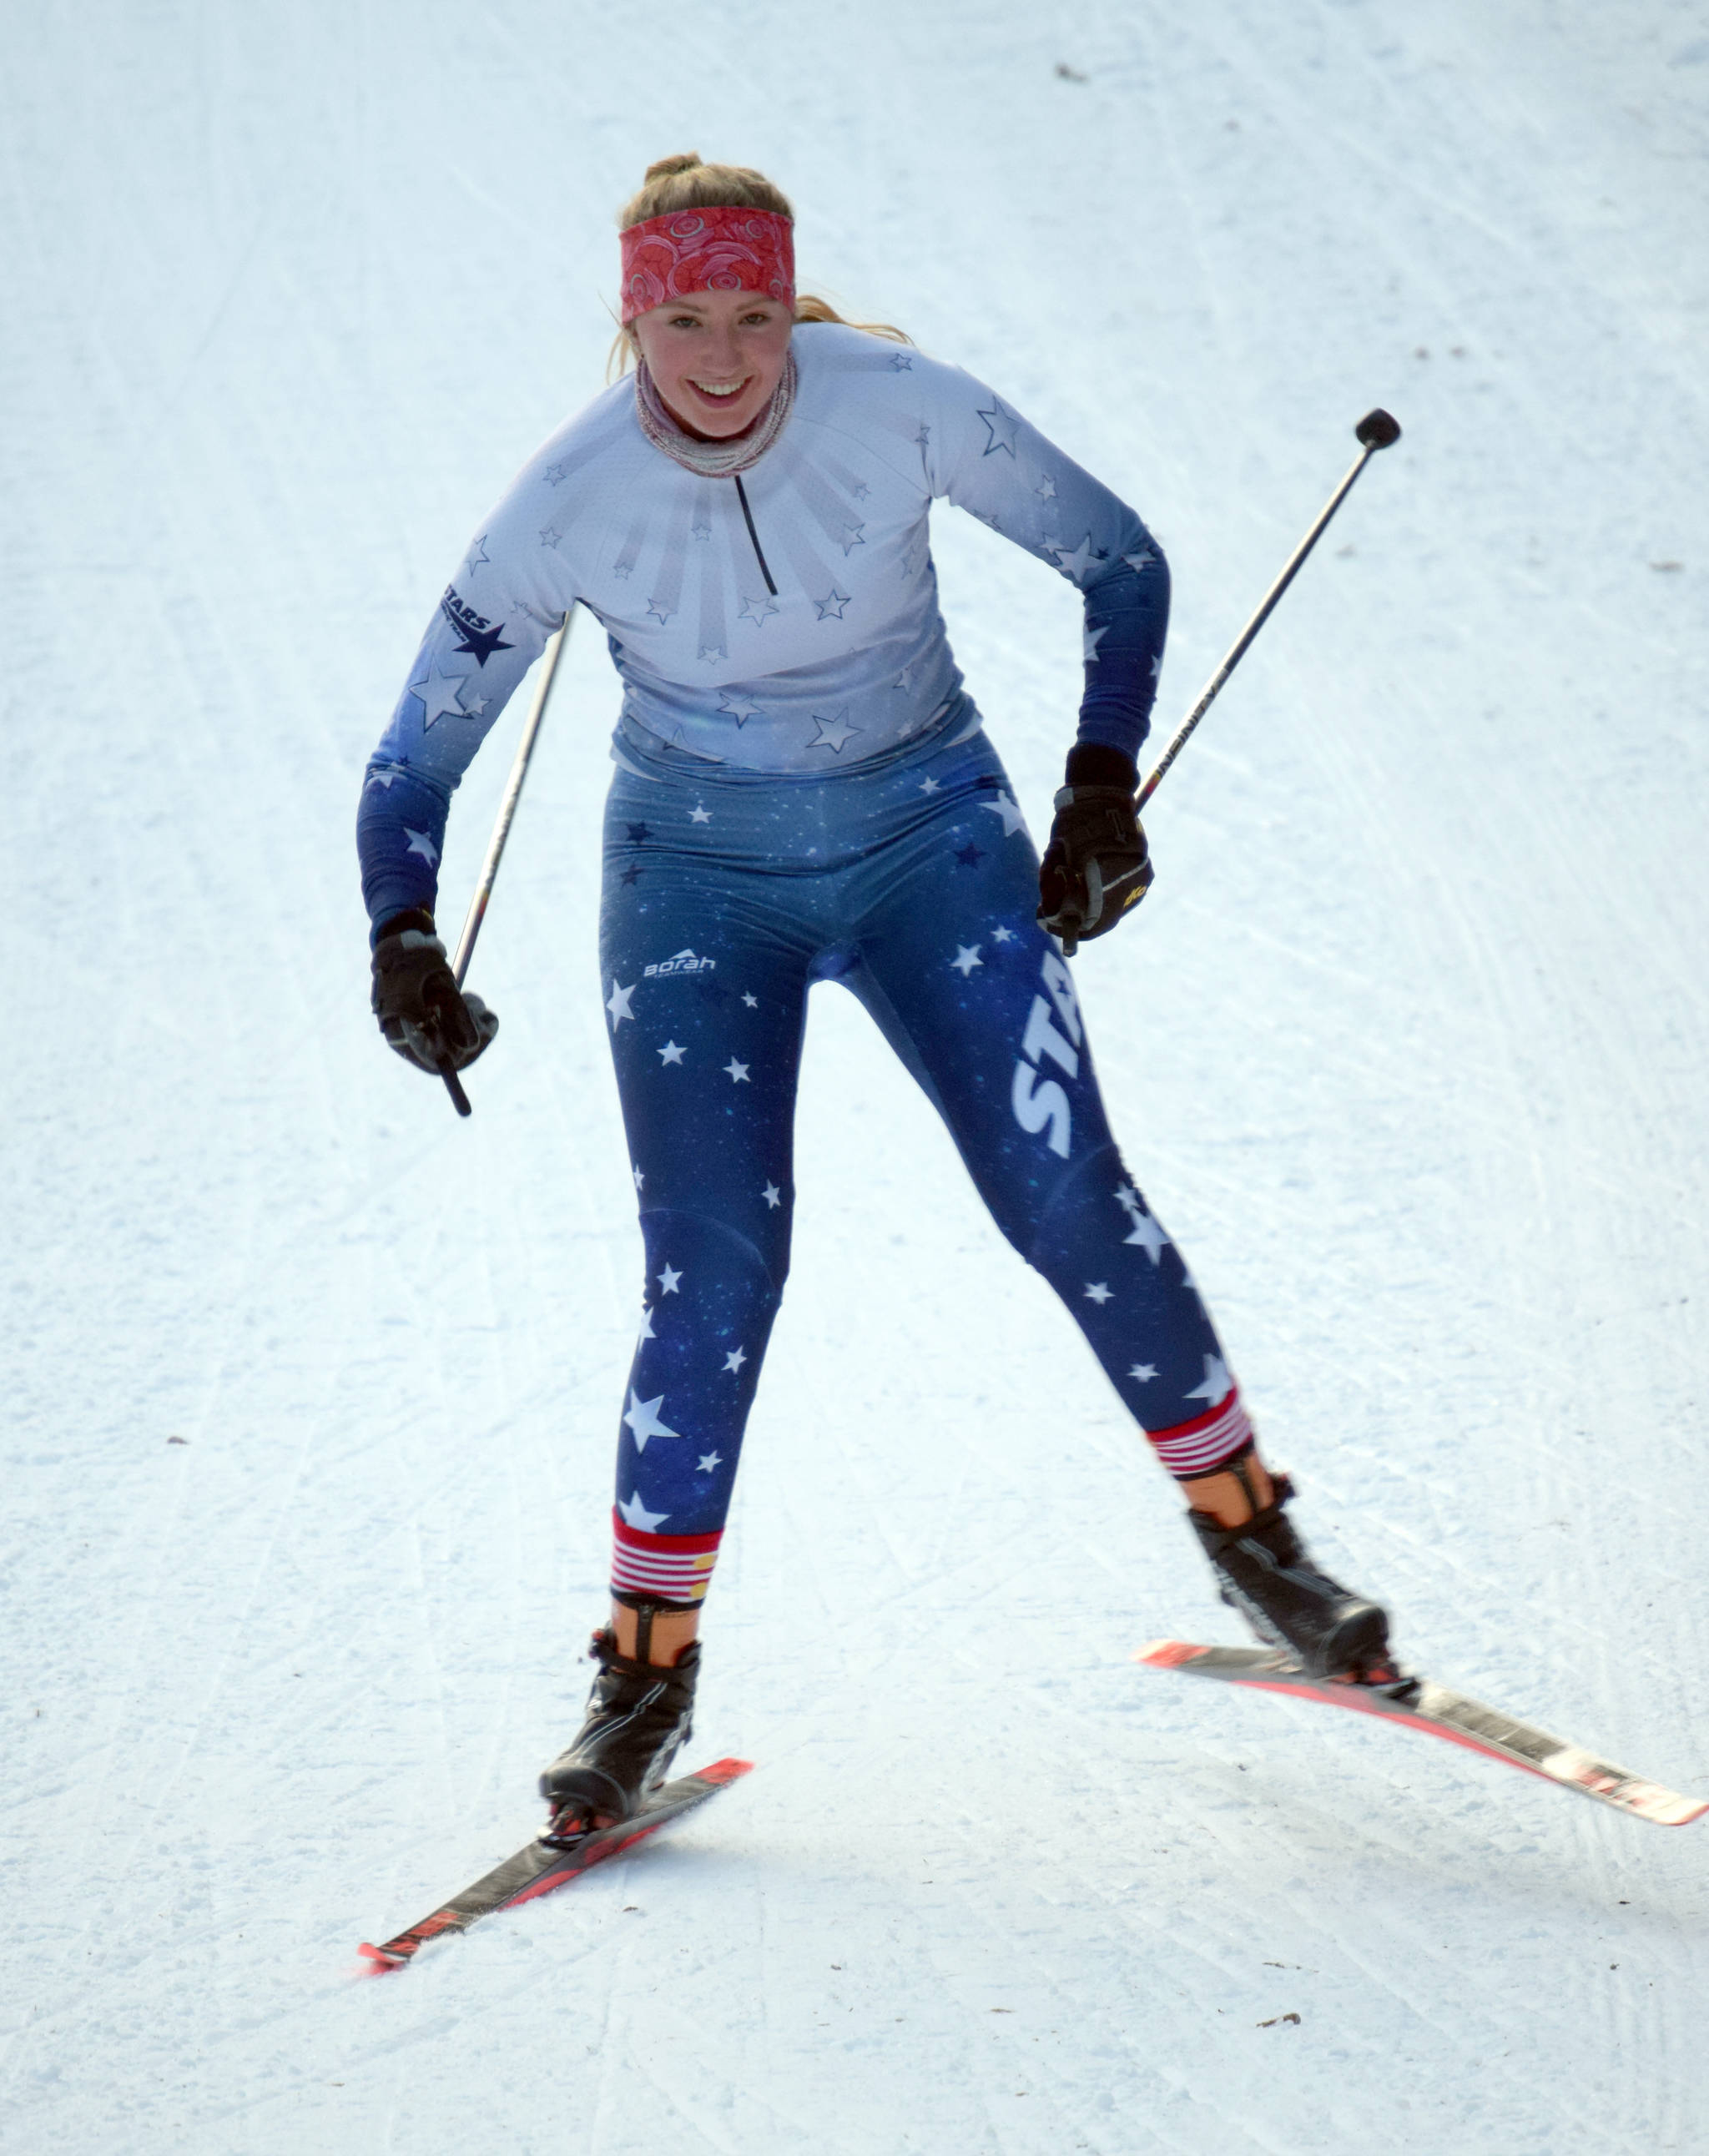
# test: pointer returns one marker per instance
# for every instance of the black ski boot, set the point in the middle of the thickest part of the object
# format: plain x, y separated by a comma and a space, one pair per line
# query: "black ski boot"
1265, 1572
639, 1717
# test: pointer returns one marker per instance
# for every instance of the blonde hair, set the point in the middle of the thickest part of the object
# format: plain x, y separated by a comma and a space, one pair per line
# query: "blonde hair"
686, 181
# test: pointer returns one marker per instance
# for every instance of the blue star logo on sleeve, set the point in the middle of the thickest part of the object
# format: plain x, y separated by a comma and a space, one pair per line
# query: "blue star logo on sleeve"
1001, 425
969, 855
833, 733
440, 693
900, 362
832, 604
643, 1420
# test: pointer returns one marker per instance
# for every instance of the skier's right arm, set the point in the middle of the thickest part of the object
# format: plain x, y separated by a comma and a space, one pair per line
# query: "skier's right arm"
508, 596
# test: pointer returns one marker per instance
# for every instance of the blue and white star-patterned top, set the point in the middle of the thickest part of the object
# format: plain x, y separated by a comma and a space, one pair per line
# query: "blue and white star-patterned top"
846, 660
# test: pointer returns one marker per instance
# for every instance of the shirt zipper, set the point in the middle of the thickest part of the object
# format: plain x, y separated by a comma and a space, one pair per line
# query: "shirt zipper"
741, 496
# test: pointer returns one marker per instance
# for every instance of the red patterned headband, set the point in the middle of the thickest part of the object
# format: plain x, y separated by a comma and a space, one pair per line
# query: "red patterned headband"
707, 250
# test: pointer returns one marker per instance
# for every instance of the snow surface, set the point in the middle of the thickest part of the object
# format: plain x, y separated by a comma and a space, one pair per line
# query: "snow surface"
1410, 1047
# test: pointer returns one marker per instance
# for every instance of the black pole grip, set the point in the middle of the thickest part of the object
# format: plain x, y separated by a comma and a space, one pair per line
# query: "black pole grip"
1377, 430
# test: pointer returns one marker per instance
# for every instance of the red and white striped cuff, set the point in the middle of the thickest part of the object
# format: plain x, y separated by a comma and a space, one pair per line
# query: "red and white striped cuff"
674, 1567
1209, 1441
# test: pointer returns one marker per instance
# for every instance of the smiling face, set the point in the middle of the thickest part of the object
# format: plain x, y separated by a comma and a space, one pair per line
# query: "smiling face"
715, 358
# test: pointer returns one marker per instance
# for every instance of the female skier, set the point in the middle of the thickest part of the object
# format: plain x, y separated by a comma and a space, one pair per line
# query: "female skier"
804, 791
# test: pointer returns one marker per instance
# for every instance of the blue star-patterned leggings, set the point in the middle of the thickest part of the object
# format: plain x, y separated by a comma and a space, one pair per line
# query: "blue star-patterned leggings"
913, 882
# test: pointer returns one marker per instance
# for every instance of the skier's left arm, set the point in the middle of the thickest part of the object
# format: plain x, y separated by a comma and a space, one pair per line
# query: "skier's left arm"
982, 455
985, 458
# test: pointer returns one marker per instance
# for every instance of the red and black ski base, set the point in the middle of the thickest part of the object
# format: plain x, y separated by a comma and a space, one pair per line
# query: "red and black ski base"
543, 1866
1419, 1703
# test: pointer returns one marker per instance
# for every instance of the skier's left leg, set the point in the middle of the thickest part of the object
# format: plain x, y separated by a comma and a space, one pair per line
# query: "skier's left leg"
981, 1005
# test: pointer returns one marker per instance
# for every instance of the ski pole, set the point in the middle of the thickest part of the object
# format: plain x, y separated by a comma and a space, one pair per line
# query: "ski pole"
495, 845
1376, 431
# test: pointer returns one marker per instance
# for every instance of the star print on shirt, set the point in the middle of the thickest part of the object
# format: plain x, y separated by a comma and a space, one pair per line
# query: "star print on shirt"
929, 786
772, 1196
833, 733
420, 843
439, 693
831, 606
707, 1462
550, 536
966, 958
736, 1072
668, 1280
670, 1053
900, 362
1145, 1372
756, 610
643, 1420
1217, 1385
634, 1514
923, 438
618, 1006
735, 707
477, 556
1004, 936
1077, 563
661, 615
385, 780
1140, 562
1090, 640
701, 532
710, 653
631, 875
1046, 489
735, 1359
1000, 425
969, 855
699, 813
556, 474
1098, 1292
1013, 820
851, 537
860, 489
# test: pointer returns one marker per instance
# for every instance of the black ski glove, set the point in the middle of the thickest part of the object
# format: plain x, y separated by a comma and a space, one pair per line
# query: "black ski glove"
422, 1012
1096, 866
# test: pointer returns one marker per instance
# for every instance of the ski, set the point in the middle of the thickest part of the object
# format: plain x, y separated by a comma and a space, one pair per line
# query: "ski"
542, 1864
1420, 1703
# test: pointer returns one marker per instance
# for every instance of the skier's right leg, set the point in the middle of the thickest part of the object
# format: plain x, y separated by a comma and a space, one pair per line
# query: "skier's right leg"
704, 978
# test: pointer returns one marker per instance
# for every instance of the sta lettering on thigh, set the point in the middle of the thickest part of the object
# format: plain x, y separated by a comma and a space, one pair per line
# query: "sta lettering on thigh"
1040, 1104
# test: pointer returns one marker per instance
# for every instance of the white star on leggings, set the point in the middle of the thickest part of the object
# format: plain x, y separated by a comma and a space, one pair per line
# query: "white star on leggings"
643, 1420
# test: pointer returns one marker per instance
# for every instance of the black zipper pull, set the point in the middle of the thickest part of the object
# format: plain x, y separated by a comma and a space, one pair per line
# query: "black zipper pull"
741, 496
